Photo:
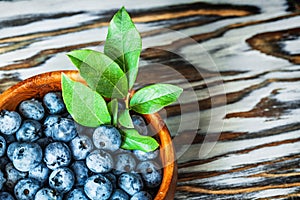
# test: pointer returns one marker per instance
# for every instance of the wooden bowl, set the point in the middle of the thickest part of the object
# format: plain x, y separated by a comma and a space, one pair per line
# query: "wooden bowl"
37, 86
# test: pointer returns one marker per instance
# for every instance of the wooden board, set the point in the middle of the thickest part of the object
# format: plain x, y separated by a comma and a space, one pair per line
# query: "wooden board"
236, 126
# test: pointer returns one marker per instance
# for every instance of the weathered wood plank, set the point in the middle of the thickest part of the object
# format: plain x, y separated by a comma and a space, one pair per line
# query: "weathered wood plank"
236, 127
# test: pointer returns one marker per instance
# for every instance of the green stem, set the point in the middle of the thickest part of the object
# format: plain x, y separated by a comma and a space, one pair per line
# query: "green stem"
127, 100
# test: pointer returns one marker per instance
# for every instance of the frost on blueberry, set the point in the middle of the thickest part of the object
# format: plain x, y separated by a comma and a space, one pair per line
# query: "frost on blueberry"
26, 189
40, 173
107, 137
2, 179
2, 146
119, 194
32, 109
26, 156
77, 194
62, 180
99, 161
54, 103
151, 173
125, 162
142, 195
80, 147
81, 172
13, 176
47, 194
131, 183
10, 122
57, 154
30, 131
98, 187
6, 196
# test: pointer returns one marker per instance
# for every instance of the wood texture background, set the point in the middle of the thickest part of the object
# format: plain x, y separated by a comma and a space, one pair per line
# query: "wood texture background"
236, 127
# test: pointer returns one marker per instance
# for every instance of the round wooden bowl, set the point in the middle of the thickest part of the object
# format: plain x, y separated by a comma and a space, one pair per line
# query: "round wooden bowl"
37, 86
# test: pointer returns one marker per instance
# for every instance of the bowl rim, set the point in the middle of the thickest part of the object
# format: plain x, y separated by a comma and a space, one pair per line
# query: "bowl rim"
51, 81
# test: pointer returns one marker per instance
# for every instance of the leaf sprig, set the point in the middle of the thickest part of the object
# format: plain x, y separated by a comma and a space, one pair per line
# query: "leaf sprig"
112, 75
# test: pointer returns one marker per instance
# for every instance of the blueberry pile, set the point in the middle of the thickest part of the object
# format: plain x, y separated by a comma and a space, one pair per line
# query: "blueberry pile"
45, 155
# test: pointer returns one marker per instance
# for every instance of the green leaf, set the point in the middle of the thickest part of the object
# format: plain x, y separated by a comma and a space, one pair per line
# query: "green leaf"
152, 98
100, 72
125, 119
86, 107
113, 110
123, 44
132, 140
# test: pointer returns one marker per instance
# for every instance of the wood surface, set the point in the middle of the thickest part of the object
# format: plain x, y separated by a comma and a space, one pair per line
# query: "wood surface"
236, 126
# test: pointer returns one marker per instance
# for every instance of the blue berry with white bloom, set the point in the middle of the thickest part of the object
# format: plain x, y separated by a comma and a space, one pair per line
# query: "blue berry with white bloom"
40, 173
62, 180
81, 172
125, 162
47, 194
151, 173
98, 187
107, 137
131, 183
6, 196
30, 131
54, 103
57, 154
142, 195
77, 194
99, 161
2, 146
63, 130
26, 156
10, 122
32, 109
26, 189
2, 179
143, 156
80, 147
119, 194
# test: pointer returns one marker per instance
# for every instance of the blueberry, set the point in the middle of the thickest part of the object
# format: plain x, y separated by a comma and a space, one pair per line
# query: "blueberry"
30, 131
11, 148
32, 109
13, 176
54, 103
2, 179
48, 124
80, 147
39, 173
139, 124
6, 196
81, 172
143, 156
26, 189
9, 138
99, 161
62, 180
59, 128
98, 187
57, 154
151, 173
77, 194
107, 137
47, 194
142, 195
10, 122
2, 146
119, 194
124, 163
131, 183
26, 156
